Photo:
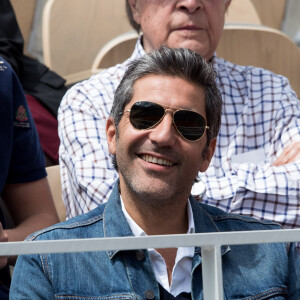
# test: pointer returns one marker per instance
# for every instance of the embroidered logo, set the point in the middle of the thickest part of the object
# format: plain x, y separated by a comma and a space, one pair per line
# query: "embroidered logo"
21, 117
21, 114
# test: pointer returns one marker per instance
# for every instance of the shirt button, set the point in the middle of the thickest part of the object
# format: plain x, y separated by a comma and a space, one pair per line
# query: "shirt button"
140, 255
149, 294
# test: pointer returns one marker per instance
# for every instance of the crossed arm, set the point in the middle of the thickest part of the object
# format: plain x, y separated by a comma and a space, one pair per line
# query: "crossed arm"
31, 208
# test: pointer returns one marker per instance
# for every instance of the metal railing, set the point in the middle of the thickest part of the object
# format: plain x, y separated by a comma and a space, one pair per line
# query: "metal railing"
210, 244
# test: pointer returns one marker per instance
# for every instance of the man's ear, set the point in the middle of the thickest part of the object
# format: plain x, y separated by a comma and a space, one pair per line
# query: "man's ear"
135, 9
208, 155
111, 132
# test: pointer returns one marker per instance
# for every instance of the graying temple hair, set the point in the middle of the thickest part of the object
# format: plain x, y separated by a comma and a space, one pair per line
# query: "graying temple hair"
172, 62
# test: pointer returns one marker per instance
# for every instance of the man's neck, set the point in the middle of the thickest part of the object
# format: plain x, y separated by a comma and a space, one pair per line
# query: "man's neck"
156, 209
165, 219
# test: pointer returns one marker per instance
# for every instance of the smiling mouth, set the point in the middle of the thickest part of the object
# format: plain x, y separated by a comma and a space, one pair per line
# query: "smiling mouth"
157, 161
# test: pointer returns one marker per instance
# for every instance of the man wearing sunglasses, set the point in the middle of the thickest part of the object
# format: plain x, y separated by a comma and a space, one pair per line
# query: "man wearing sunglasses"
255, 170
161, 132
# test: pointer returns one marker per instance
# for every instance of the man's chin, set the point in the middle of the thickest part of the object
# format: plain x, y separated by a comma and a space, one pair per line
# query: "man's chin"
195, 46
152, 190
160, 193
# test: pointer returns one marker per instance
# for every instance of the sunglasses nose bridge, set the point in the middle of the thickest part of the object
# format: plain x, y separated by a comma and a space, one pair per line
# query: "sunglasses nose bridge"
172, 112
169, 110
165, 122
163, 132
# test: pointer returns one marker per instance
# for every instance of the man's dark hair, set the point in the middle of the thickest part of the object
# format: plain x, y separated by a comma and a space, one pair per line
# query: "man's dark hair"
172, 62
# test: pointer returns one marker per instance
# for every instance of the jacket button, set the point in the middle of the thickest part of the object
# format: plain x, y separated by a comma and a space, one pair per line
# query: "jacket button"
140, 255
149, 294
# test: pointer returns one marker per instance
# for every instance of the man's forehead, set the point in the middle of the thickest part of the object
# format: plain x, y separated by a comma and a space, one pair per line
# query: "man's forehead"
173, 91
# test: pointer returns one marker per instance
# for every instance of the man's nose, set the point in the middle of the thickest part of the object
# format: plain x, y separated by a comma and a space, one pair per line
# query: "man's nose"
164, 134
190, 5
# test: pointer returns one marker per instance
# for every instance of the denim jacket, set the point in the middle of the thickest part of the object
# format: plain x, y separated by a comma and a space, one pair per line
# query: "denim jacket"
264, 271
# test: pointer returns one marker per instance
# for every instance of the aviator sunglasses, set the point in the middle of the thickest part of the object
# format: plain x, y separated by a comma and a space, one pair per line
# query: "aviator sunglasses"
190, 125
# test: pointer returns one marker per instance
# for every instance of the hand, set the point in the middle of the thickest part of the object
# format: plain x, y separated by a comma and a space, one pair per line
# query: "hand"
3, 238
290, 154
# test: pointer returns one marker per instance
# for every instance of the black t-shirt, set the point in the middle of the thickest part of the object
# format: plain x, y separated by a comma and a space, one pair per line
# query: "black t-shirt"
165, 295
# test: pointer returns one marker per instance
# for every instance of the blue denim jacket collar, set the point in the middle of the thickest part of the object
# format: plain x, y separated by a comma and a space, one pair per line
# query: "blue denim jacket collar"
115, 223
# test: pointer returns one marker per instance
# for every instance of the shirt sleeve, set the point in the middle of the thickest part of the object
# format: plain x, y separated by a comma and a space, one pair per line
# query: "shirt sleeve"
87, 172
22, 159
276, 190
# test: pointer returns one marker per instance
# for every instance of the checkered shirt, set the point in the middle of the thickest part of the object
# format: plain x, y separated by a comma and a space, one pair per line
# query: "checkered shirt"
260, 111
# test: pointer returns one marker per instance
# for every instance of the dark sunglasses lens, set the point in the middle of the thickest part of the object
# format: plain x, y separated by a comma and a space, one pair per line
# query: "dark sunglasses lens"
191, 125
144, 115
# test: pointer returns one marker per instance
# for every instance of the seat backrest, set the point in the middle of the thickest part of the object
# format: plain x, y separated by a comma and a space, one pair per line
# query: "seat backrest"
24, 10
263, 47
242, 11
271, 12
75, 30
115, 51
55, 187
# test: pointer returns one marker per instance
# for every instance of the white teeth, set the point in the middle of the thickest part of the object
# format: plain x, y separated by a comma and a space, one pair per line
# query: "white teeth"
159, 161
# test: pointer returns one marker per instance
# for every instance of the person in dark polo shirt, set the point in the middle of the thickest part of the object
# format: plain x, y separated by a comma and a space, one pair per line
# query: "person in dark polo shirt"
23, 183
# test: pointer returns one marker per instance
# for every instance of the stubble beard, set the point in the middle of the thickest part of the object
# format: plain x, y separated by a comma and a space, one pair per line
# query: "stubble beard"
152, 192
